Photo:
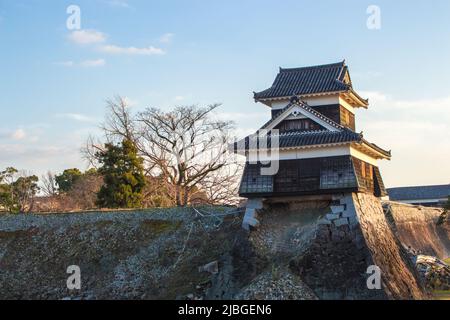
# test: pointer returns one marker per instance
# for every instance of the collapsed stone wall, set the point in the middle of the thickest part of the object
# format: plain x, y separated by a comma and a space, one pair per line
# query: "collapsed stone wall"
423, 230
330, 246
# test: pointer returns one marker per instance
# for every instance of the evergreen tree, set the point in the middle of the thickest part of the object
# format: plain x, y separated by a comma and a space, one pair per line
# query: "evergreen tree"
17, 191
67, 179
123, 174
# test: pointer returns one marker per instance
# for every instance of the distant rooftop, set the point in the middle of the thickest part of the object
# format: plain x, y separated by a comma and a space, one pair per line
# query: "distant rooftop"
419, 192
308, 80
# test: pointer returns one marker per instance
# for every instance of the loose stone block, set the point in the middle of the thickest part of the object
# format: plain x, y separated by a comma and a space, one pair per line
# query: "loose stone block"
337, 209
250, 219
340, 222
332, 216
324, 221
349, 214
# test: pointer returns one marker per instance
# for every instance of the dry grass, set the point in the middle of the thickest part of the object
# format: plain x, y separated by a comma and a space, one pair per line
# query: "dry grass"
441, 294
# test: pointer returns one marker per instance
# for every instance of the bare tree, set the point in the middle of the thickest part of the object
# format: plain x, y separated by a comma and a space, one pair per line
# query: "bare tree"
222, 186
90, 149
118, 125
185, 145
118, 121
83, 194
49, 187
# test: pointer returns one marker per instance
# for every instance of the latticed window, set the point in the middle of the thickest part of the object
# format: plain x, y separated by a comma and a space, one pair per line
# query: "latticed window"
298, 125
336, 173
298, 175
254, 182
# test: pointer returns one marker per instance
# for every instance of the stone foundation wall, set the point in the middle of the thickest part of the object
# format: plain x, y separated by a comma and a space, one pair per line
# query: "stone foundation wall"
400, 279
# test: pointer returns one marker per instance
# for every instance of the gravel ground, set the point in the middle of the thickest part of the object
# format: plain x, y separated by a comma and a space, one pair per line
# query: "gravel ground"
277, 285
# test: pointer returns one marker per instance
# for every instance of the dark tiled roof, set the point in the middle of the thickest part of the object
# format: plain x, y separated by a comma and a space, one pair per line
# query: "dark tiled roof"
307, 138
304, 106
307, 80
419, 192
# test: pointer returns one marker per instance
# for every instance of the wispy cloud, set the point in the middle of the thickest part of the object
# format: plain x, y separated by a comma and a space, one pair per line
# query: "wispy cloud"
38, 157
85, 37
113, 49
166, 38
98, 38
93, 63
19, 134
239, 116
129, 102
86, 63
67, 64
118, 3
76, 116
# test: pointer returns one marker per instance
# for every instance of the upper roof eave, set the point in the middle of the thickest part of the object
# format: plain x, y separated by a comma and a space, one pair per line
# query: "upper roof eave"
328, 93
361, 101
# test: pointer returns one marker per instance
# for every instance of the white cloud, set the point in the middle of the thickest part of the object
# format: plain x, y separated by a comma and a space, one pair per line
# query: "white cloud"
87, 37
113, 49
18, 134
84, 37
86, 63
65, 63
166, 38
93, 63
130, 102
76, 116
39, 158
239, 116
179, 98
435, 109
118, 3
374, 96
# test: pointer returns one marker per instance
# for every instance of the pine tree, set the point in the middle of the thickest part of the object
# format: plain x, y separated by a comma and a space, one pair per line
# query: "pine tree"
123, 174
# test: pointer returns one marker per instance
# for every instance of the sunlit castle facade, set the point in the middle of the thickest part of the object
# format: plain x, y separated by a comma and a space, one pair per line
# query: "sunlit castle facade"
313, 125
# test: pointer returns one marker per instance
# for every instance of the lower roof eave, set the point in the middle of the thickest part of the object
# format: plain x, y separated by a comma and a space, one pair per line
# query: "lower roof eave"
243, 152
373, 150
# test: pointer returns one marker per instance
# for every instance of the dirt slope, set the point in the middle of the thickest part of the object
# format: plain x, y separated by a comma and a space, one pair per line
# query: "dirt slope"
418, 228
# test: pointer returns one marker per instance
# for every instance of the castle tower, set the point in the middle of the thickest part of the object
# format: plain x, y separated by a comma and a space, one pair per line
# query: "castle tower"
319, 151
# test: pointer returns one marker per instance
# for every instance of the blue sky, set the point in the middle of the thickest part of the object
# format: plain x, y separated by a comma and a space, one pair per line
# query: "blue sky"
54, 82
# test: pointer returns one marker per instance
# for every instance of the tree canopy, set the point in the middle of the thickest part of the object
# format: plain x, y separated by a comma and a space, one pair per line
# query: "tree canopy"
67, 179
123, 175
17, 190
